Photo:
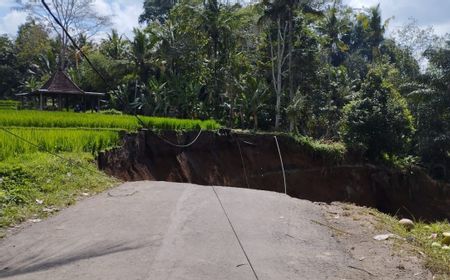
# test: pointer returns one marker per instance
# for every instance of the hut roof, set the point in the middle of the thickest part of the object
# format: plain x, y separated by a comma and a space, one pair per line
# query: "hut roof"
60, 83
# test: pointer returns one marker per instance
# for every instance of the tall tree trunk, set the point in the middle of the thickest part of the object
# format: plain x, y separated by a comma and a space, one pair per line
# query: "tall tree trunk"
279, 81
291, 79
62, 51
255, 121
277, 71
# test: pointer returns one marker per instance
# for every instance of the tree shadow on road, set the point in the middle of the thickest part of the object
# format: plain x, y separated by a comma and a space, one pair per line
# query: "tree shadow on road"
41, 263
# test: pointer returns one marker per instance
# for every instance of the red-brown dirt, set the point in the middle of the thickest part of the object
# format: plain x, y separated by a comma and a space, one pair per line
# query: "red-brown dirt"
252, 161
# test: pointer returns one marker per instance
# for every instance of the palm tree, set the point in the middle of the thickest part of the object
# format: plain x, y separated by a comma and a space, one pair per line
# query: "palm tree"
377, 29
140, 52
336, 27
114, 46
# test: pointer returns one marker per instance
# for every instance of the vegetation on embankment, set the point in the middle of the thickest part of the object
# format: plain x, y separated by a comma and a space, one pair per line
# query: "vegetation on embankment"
421, 238
334, 152
38, 184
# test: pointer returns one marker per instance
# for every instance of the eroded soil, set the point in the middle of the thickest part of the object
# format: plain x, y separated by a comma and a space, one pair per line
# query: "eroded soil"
252, 161
354, 228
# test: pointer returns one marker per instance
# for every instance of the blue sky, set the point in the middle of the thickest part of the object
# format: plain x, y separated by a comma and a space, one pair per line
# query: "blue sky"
126, 12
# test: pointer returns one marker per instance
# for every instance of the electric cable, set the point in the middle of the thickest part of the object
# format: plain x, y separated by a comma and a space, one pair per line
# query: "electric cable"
86, 57
72, 40
282, 165
236, 139
235, 233
178, 145
45, 150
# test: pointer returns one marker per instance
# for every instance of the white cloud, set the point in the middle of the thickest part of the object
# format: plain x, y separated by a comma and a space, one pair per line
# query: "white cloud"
427, 13
126, 17
10, 22
102, 7
124, 14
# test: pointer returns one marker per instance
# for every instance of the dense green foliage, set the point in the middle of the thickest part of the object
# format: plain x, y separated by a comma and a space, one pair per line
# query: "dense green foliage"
305, 67
378, 121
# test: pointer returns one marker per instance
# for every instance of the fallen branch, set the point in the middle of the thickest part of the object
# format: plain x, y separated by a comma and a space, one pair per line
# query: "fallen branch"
362, 269
122, 195
331, 227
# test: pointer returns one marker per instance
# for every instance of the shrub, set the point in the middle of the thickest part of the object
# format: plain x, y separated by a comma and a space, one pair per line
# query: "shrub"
378, 121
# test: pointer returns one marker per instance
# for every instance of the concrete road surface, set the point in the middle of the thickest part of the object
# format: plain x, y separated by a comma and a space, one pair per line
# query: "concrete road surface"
158, 230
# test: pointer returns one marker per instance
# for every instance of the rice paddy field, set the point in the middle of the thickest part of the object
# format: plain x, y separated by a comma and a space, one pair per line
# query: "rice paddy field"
77, 132
9, 104
56, 141
28, 118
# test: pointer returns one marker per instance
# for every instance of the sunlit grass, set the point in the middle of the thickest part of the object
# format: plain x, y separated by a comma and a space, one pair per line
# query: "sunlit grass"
33, 184
55, 140
29, 118
179, 124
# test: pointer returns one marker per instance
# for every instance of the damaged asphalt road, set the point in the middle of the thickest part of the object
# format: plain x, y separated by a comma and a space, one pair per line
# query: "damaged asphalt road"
159, 230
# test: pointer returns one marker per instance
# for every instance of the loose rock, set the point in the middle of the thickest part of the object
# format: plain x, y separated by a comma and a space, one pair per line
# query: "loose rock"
382, 237
407, 223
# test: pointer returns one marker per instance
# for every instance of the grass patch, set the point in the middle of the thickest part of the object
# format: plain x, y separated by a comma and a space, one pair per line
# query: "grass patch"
437, 260
327, 150
32, 184
334, 151
56, 140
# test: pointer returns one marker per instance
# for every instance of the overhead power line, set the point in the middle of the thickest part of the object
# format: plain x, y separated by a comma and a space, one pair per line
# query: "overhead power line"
85, 56
73, 41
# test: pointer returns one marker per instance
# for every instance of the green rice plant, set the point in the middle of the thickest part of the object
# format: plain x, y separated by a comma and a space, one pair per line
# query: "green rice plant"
29, 118
55, 140
179, 124
8, 104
